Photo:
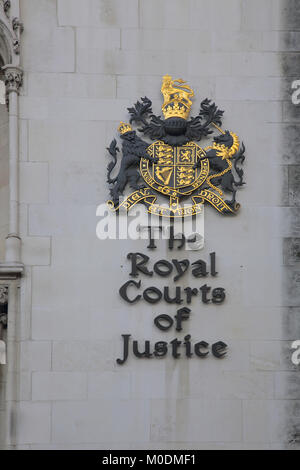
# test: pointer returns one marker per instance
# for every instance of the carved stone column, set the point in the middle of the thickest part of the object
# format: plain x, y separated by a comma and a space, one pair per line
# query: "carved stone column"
13, 78
10, 270
10, 34
13, 81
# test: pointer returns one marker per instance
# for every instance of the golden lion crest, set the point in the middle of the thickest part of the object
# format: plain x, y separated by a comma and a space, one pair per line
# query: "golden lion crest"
175, 165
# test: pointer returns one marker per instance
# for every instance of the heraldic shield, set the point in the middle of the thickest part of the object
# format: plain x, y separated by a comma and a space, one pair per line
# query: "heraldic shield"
174, 165
175, 172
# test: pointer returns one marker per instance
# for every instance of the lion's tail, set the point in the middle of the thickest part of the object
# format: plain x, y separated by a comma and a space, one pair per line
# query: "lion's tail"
239, 158
112, 149
110, 168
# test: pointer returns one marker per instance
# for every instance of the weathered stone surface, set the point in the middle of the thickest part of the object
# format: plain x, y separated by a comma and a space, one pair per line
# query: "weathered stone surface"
76, 183
165, 425
291, 251
288, 14
213, 16
85, 62
109, 385
101, 13
45, 46
68, 109
291, 112
82, 356
248, 88
291, 323
287, 41
256, 18
47, 220
291, 222
37, 192
288, 88
290, 64
291, 287
195, 386
256, 64
294, 185
34, 422
120, 62
287, 385
235, 41
205, 64
48, 386
272, 355
290, 141
179, 40
273, 420
66, 141
169, 15
59, 85
35, 355
36, 251
132, 416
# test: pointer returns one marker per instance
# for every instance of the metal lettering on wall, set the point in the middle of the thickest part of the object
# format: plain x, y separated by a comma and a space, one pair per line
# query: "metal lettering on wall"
174, 165
141, 265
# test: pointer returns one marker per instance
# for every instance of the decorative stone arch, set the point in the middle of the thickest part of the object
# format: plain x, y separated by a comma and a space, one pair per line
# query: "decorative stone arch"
6, 55
10, 31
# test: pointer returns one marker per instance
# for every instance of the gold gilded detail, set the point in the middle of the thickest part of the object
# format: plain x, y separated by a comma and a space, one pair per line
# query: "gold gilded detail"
175, 174
164, 174
225, 153
185, 175
177, 94
176, 166
124, 127
165, 154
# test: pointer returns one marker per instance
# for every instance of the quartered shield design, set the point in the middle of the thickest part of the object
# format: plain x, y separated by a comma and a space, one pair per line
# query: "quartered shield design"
175, 174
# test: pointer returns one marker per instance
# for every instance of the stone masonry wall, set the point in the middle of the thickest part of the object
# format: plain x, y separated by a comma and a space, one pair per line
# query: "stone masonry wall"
290, 219
85, 62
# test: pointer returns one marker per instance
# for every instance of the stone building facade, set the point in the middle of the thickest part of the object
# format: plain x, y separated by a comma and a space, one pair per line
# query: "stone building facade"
70, 75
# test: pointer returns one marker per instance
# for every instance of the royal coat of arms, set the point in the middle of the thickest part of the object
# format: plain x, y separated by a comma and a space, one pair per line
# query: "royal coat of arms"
175, 165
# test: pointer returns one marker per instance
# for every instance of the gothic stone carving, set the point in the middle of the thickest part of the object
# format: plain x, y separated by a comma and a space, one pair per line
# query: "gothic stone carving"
3, 305
13, 78
14, 25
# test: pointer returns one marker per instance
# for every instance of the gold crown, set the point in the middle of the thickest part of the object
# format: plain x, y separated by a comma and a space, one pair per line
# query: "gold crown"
123, 127
177, 94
